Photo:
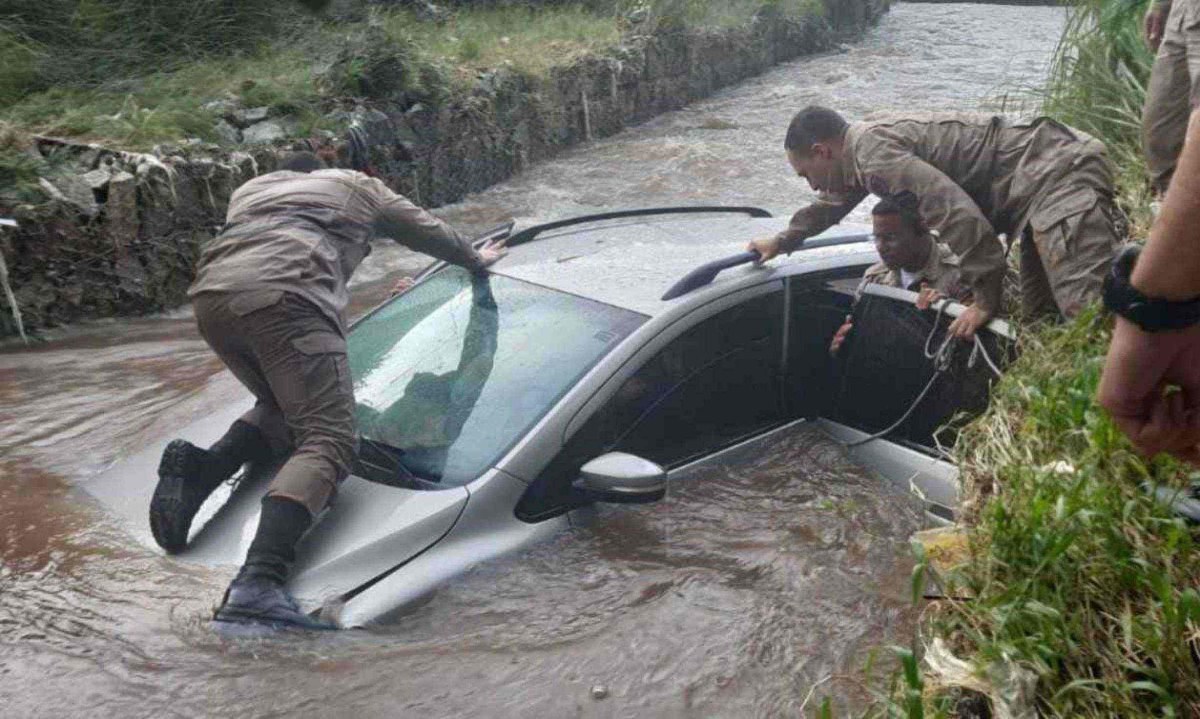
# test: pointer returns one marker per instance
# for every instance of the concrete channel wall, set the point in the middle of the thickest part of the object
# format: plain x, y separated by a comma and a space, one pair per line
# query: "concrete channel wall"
122, 235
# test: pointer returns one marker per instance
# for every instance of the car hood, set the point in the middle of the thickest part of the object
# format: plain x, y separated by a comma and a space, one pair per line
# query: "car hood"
368, 531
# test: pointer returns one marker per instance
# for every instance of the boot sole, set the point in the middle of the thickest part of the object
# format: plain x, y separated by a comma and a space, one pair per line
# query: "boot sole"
169, 527
228, 616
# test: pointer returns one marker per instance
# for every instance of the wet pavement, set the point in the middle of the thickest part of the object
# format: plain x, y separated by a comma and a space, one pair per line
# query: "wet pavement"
763, 582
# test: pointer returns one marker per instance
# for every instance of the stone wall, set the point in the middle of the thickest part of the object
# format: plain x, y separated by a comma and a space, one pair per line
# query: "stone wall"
124, 231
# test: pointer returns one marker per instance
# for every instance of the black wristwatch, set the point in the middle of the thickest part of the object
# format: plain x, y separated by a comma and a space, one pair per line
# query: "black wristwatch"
1152, 315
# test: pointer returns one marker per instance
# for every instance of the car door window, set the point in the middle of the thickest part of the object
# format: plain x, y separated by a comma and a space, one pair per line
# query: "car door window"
817, 307
718, 382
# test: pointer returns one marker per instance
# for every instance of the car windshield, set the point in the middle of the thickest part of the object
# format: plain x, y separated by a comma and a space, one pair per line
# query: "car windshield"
457, 369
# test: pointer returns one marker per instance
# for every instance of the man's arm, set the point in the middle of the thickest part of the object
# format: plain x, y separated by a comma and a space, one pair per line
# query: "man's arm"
397, 218
825, 212
1141, 365
1169, 266
947, 208
814, 219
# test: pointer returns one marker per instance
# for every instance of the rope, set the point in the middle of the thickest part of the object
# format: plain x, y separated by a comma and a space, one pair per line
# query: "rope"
911, 408
980, 350
941, 363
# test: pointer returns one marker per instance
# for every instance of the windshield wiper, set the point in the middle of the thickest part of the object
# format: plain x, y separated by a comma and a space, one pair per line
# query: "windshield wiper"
383, 463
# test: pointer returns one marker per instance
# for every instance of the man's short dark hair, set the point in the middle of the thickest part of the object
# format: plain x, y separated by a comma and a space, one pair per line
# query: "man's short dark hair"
811, 125
904, 205
301, 162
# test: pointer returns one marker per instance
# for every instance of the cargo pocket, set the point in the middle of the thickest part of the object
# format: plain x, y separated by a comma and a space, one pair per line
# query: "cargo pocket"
315, 344
1055, 227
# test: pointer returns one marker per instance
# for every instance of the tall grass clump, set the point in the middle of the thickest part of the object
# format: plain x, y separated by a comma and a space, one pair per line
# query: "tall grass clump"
1097, 83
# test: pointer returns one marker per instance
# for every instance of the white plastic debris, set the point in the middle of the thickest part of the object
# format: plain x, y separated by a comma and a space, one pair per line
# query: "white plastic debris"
1009, 688
1060, 467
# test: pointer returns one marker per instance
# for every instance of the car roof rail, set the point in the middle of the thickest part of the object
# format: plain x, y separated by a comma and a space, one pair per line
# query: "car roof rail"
530, 233
706, 273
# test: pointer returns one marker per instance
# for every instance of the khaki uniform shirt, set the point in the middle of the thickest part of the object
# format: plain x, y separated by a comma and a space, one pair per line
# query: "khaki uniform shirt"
940, 272
975, 176
305, 233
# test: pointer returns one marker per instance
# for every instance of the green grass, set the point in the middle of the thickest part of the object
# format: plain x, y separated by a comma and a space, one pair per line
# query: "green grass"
20, 169
528, 39
89, 43
1077, 575
169, 106
129, 83
137, 110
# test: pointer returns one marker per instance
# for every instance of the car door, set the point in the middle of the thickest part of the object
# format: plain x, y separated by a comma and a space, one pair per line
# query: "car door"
883, 369
717, 382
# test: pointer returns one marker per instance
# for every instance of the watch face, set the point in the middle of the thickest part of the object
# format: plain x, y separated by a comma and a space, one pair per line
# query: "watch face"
1140, 313
1151, 315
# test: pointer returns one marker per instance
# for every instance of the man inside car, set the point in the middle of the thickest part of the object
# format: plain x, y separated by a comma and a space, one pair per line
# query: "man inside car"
911, 258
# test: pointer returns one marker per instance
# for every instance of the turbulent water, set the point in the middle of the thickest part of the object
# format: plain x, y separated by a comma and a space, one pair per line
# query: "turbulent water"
762, 583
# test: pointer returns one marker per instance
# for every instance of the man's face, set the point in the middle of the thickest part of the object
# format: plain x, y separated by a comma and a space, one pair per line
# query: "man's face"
821, 166
898, 242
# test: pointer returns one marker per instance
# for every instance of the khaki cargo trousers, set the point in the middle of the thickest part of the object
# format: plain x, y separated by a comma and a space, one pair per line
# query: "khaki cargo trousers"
1070, 242
293, 358
1063, 264
1173, 91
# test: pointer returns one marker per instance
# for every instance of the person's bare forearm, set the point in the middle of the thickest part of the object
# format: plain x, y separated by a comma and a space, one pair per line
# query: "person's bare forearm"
1169, 266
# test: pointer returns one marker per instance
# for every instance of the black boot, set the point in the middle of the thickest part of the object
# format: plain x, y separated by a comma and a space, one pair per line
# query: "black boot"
257, 595
188, 474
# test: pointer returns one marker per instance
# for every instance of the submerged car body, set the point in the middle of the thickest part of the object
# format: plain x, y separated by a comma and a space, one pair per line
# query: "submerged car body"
492, 407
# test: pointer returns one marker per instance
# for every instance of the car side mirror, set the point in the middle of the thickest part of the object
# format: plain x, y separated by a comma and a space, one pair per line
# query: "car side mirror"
622, 478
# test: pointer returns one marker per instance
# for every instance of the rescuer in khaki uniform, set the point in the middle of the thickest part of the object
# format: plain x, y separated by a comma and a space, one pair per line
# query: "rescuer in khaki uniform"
270, 296
1173, 31
974, 177
911, 258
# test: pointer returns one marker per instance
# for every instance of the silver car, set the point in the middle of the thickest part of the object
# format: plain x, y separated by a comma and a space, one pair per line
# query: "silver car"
490, 408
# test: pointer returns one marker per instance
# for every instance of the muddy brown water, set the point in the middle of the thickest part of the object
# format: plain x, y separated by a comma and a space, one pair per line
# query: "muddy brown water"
764, 582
